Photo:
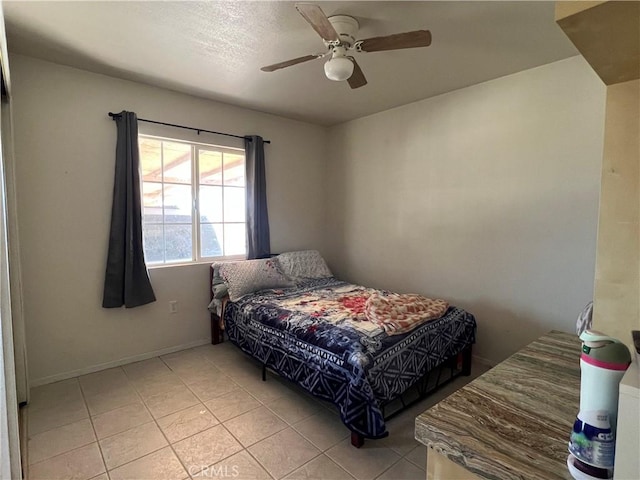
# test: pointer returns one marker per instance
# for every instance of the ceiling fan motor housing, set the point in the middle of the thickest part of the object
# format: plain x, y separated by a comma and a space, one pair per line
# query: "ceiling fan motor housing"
346, 27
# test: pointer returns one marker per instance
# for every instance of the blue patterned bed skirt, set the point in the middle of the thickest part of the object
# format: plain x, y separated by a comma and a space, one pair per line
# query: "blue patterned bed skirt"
356, 369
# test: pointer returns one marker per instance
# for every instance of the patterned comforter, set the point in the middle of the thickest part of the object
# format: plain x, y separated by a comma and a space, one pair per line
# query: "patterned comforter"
318, 336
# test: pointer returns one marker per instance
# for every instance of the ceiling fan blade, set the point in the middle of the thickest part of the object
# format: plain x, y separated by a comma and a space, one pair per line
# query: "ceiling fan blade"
356, 80
318, 20
288, 63
418, 38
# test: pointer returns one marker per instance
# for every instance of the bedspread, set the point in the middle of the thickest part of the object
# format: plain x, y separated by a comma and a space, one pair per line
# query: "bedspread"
319, 337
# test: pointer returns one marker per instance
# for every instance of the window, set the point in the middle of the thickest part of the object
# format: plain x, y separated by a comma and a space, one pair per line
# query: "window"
193, 201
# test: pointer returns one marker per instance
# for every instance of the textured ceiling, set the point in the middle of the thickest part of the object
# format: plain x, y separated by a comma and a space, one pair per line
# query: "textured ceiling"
215, 49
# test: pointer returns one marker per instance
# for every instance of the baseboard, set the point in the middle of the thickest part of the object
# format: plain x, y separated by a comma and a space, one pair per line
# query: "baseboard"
144, 356
483, 361
116, 363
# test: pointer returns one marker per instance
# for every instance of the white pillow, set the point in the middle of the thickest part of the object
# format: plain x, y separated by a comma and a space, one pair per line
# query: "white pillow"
303, 265
252, 275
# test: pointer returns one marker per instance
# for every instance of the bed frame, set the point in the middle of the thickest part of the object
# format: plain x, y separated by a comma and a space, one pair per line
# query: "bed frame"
453, 367
217, 334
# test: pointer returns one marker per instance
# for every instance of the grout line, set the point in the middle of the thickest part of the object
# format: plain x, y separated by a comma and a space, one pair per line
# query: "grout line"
75, 447
300, 466
114, 364
321, 452
140, 400
155, 421
258, 441
138, 458
95, 433
235, 416
65, 453
344, 467
169, 444
387, 469
406, 457
346, 435
244, 449
84, 404
129, 428
29, 435
290, 424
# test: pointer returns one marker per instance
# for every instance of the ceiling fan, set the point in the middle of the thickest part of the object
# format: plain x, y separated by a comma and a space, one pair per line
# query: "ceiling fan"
338, 33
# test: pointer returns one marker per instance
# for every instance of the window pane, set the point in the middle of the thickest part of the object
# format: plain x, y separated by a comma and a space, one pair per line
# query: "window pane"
210, 204
151, 159
235, 239
234, 169
153, 243
177, 162
152, 202
177, 203
234, 202
178, 243
210, 167
211, 237
167, 167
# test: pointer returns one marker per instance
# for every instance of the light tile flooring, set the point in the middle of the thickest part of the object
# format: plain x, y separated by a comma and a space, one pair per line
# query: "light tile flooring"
206, 413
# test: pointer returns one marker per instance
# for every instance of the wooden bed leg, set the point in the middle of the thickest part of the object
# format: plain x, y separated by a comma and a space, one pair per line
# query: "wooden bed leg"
466, 361
215, 329
357, 440
217, 334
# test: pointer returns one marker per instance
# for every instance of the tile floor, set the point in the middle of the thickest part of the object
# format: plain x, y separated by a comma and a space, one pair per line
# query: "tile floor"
206, 413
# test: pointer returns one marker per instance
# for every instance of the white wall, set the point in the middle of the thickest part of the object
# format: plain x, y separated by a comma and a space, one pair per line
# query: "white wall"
64, 147
486, 196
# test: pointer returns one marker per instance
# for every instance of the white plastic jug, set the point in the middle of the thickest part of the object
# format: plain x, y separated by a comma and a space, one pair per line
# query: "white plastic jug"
603, 363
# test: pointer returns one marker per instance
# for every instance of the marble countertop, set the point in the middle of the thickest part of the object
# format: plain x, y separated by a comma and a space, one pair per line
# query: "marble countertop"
514, 421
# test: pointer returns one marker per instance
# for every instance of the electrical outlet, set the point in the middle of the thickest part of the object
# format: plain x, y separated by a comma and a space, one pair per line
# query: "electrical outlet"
173, 306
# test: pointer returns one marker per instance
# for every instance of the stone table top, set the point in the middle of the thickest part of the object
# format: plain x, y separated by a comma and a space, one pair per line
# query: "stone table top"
514, 421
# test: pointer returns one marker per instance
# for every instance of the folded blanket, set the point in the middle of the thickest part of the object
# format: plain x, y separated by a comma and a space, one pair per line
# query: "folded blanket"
400, 313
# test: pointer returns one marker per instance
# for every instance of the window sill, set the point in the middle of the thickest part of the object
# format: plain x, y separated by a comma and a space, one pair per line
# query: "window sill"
199, 262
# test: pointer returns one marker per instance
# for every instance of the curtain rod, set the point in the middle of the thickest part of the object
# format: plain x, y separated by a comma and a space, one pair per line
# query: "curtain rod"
114, 115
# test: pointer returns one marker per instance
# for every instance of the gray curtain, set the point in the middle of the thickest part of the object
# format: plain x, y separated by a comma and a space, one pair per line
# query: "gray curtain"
258, 245
126, 279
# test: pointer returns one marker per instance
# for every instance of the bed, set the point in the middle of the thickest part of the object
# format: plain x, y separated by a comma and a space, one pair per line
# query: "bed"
314, 330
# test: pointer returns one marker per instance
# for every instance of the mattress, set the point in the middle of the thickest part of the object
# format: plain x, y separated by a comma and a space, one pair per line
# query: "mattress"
318, 336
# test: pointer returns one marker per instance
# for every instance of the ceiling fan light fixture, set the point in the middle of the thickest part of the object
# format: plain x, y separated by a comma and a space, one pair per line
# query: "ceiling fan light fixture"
338, 69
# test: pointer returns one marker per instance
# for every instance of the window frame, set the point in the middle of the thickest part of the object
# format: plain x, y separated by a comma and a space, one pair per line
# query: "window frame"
196, 224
